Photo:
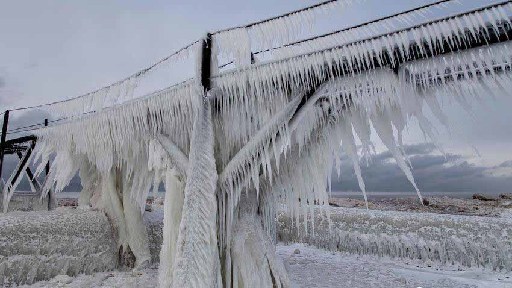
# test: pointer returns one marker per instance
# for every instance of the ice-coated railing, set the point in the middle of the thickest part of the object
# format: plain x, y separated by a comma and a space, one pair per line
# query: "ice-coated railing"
468, 241
40, 245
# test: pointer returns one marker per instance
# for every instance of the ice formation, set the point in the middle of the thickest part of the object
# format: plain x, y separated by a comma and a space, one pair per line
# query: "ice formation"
38, 245
266, 133
471, 241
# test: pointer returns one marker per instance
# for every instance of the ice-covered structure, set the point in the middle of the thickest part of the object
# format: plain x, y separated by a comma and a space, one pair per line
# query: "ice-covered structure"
36, 246
230, 145
452, 240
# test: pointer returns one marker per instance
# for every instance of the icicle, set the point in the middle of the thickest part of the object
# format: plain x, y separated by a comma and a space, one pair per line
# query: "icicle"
349, 146
384, 129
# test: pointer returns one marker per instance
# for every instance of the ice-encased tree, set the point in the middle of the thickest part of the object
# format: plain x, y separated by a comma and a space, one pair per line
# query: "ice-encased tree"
264, 134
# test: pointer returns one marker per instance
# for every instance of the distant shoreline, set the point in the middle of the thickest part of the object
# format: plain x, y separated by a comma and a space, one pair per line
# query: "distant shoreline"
380, 195
359, 195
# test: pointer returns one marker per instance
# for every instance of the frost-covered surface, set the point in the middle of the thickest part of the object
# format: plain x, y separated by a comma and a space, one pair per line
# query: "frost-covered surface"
313, 267
459, 240
154, 224
28, 202
469, 241
83, 240
40, 245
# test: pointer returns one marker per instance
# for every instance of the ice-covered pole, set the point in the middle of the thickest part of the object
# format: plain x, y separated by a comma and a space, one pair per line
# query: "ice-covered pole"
197, 263
2, 141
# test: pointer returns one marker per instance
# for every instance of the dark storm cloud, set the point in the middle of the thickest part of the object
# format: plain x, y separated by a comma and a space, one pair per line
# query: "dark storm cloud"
432, 172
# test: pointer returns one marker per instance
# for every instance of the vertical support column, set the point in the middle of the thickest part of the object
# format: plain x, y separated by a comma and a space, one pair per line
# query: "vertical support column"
47, 167
52, 202
2, 141
197, 262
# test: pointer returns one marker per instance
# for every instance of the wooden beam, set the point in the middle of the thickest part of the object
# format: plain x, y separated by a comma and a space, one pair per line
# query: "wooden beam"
19, 140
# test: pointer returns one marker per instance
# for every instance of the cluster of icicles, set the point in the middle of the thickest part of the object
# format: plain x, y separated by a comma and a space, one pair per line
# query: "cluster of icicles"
265, 151
455, 29
274, 129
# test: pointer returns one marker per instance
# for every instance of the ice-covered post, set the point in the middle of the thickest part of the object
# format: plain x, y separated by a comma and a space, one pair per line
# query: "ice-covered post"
52, 201
2, 144
2, 141
197, 263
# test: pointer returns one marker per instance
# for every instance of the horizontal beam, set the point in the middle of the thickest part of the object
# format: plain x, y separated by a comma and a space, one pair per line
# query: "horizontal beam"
19, 140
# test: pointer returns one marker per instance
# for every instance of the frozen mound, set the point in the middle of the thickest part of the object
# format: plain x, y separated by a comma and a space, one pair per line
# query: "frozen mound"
469, 241
154, 222
40, 245
27, 202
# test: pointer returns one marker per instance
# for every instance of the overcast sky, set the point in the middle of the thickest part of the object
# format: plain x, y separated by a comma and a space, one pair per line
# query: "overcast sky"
51, 50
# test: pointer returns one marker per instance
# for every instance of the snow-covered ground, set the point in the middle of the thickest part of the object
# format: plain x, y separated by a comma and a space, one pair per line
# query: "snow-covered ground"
454, 240
39, 245
312, 267
55, 239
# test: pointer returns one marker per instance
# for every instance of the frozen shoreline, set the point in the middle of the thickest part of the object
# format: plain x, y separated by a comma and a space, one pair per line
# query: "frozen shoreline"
356, 228
311, 267
496, 206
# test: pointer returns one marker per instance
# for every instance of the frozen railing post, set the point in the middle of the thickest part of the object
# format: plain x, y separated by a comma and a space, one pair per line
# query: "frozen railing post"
2, 144
2, 141
197, 263
52, 201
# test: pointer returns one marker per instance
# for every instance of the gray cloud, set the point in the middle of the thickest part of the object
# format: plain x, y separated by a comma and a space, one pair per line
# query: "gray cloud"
432, 173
